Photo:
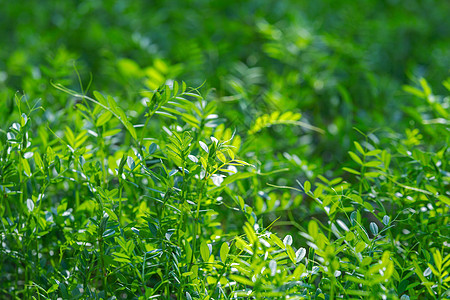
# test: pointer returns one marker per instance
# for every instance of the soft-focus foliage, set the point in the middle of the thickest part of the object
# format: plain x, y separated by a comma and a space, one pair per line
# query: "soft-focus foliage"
224, 149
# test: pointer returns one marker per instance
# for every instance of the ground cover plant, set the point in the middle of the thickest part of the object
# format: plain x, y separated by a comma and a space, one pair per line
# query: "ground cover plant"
286, 156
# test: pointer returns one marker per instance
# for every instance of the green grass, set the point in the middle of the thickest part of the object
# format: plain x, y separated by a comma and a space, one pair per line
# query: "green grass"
306, 157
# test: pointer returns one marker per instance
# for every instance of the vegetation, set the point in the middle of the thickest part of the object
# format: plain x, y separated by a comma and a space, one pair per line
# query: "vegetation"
225, 150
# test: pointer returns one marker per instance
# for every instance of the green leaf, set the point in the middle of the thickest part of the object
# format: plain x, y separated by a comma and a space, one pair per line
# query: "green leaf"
191, 120
299, 270
241, 280
203, 146
313, 228
374, 163
349, 236
166, 114
287, 240
372, 174
356, 198
205, 251
188, 296
359, 148
108, 233
23, 119
351, 171
112, 132
26, 167
52, 288
203, 162
291, 253
237, 162
373, 152
221, 157
300, 254
360, 247
426, 88
373, 228
57, 164
30, 205
175, 87
224, 250
355, 157
100, 98
306, 187
363, 234
70, 136
113, 105
131, 130
444, 199
277, 241
152, 148
366, 261
414, 91
105, 117
193, 158
63, 289
318, 191
273, 267
38, 160
122, 163
194, 95
111, 214
121, 257
130, 162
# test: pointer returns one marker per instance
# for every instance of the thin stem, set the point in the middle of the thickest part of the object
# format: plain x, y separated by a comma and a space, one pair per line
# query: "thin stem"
150, 115
196, 222
120, 202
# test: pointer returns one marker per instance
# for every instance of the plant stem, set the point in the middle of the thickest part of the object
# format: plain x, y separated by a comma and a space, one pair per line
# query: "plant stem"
103, 272
120, 203
196, 223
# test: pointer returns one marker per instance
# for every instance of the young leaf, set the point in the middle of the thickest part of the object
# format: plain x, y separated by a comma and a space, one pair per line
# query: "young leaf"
277, 241
373, 228
204, 147
307, 187
204, 251
26, 167
300, 254
291, 253
152, 148
130, 162
224, 250
351, 171
122, 163
105, 117
359, 147
193, 158
287, 240
273, 267
355, 157
30, 205
242, 280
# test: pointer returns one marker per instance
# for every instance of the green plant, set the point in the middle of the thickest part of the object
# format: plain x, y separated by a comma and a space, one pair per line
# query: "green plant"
148, 189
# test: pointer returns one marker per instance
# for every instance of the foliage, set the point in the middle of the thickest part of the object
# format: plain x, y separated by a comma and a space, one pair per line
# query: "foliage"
304, 165
86, 217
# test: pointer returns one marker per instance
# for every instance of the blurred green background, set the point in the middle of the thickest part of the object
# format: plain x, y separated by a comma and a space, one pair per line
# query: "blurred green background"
341, 64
